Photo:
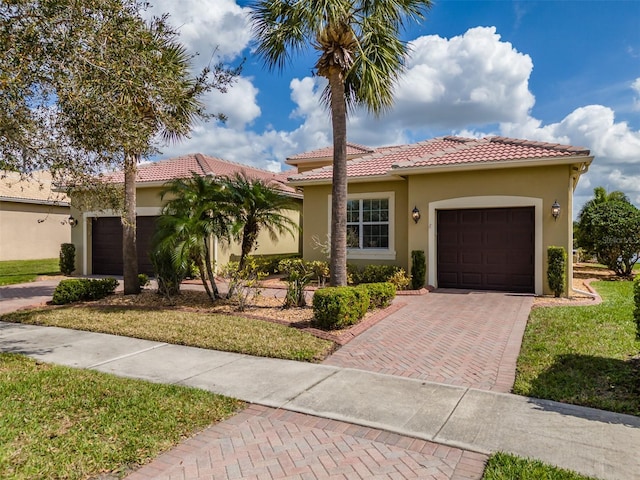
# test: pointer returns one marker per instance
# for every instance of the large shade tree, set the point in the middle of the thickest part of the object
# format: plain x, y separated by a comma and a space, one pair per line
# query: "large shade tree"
361, 55
95, 85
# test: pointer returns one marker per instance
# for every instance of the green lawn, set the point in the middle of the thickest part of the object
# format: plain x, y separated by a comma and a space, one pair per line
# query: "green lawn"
59, 422
584, 355
502, 466
205, 330
22, 271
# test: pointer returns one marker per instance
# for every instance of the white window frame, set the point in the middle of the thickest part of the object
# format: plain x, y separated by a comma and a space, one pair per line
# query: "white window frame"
373, 253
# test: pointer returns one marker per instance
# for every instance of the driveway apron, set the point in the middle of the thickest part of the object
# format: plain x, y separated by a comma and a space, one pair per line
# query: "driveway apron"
457, 337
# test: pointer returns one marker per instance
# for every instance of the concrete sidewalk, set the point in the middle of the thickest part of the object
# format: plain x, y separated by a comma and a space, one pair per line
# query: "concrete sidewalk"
589, 441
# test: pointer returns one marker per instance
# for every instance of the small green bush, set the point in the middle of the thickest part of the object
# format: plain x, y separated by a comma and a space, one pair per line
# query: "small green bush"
636, 300
378, 273
353, 274
380, 294
168, 276
418, 269
339, 307
143, 280
266, 263
555, 273
298, 274
400, 279
67, 258
79, 289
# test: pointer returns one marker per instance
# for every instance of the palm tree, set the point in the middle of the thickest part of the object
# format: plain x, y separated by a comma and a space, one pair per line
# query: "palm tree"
190, 219
360, 55
256, 205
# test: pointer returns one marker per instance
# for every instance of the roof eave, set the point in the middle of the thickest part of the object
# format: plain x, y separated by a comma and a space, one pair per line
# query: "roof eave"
391, 177
491, 165
33, 201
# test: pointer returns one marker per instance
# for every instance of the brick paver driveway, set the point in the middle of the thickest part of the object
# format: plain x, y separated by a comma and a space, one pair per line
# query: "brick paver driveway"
262, 443
457, 337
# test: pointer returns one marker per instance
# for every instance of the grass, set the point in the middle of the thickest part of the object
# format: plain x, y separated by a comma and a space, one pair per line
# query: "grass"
219, 332
59, 422
584, 355
22, 271
502, 466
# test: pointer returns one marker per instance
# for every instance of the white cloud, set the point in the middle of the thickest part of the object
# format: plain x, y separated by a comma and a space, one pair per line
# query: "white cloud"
635, 86
221, 27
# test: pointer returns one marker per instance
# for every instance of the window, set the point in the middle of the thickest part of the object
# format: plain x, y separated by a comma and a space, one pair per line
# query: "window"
370, 227
368, 223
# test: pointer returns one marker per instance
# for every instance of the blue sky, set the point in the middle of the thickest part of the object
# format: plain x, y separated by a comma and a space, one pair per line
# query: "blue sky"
558, 71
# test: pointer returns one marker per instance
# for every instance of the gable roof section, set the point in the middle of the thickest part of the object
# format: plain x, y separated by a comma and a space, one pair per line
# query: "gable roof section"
327, 152
185, 166
37, 188
446, 152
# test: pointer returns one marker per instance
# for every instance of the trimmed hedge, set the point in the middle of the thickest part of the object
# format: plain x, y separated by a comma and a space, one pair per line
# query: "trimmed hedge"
636, 299
380, 294
67, 258
418, 269
555, 273
339, 307
78, 289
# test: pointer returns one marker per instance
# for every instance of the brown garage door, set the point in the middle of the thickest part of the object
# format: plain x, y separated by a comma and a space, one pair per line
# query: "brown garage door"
486, 249
106, 245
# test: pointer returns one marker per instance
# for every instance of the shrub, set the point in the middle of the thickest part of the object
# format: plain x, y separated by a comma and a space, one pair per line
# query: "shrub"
143, 280
243, 284
378, 273
380, 294
298, 274
636, 299
267, 263
67, 258
418, 269
168, 276
400, 279
78, 289
555, 272
339, 307
353, 274
320, 271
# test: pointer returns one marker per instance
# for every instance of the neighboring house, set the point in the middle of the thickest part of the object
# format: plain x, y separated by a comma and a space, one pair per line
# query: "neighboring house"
98, 235
34, 219
484, 205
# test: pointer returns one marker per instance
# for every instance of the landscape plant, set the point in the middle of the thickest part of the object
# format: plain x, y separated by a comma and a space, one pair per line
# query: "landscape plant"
297, 275
418, 269
67, 258
339, 307
557, 259
636, 301
380, 294
79, 289
244, 283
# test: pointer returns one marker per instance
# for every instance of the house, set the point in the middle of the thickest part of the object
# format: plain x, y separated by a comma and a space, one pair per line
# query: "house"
98, 233
484, 210
34, 219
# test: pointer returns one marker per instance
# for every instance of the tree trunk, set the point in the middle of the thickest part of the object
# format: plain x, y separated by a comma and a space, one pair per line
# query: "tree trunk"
129, 247
338, 260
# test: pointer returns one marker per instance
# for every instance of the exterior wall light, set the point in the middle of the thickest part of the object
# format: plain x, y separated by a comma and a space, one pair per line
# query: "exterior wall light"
555, 210
72, 221
415, 214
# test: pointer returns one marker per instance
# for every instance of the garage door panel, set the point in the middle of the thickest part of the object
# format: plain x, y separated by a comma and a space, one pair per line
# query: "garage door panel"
106, 245
495, 250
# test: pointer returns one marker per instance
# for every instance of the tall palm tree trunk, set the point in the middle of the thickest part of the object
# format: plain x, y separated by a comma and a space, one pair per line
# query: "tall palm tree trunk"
338, 261
215, 293
129, 246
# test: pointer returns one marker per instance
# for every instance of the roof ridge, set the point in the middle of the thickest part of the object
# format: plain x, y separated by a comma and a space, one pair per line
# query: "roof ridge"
536, 143
206, 158
464, 144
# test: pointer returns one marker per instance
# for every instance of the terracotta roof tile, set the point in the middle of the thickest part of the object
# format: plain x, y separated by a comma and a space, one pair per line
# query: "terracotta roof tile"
445, 151
326, 152
186, 165
37, 188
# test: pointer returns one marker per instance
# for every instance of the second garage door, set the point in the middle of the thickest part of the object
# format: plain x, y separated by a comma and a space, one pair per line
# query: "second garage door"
106, 245
487, 249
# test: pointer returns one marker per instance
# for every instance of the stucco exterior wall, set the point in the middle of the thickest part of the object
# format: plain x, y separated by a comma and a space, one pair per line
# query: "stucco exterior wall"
316, 220
538, 187
23, 237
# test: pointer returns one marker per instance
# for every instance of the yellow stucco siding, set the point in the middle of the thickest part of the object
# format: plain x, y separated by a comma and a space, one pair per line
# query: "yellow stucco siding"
31, 231
316, 220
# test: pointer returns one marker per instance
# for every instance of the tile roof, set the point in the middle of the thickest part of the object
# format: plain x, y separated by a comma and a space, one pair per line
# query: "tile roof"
352, 149
186, 165
445, 151
37, 188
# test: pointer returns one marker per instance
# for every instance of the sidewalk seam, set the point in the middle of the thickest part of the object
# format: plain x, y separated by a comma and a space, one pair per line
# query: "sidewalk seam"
451, 413
127, 355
